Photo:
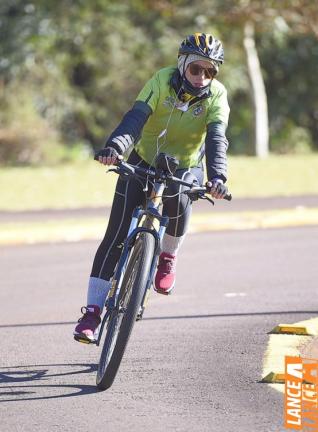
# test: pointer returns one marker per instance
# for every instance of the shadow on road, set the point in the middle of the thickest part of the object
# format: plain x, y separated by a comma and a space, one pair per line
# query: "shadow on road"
32, 374
247, 314
228, 315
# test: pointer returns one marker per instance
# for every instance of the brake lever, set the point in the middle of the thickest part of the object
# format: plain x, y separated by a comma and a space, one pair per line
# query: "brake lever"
208, 199
123, 169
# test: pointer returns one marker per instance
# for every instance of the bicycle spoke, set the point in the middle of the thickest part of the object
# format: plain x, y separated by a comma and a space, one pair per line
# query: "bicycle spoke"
124, 316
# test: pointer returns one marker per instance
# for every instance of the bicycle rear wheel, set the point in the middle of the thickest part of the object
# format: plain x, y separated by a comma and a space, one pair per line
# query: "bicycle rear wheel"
121, 321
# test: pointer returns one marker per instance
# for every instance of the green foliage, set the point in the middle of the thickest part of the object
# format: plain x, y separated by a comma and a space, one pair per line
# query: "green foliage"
25, 137
70, 69
292, 91
291, 139
239, 132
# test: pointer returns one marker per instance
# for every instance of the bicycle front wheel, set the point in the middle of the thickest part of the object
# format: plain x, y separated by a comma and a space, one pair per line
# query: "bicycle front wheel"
121, 321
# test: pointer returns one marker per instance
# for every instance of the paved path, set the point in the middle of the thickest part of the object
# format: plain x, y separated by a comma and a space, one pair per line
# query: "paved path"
240, 204
193, 364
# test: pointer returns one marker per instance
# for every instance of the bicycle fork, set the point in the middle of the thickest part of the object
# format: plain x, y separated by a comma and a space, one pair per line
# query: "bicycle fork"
163, 220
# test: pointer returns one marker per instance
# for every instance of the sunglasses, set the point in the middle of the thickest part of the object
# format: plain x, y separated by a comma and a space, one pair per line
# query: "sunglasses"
196, 69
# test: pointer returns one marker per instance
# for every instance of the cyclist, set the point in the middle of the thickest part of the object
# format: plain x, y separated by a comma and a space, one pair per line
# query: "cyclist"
182, 111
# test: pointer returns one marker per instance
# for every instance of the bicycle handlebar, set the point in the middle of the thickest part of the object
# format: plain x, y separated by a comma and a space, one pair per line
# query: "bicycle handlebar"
194, 191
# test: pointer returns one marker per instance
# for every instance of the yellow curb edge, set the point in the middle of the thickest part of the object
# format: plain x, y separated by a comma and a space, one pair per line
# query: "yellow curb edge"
281, 345
72, 230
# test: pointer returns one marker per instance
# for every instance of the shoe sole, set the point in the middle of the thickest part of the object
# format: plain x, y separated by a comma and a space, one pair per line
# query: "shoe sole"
81, 337
164, 292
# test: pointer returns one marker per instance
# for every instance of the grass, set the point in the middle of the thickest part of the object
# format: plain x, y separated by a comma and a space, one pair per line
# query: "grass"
286, 175
84, 184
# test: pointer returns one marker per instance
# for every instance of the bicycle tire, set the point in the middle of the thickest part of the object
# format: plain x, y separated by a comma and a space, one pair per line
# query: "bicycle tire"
120, 324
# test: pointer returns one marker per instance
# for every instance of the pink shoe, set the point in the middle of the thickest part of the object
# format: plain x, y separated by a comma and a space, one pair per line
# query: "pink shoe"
166, 274
87, 324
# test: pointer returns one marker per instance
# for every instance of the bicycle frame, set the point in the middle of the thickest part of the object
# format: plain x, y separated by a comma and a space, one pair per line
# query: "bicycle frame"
151, 213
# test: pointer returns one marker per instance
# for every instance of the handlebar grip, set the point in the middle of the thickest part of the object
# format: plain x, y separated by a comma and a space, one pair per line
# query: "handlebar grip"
119, 158
227, 197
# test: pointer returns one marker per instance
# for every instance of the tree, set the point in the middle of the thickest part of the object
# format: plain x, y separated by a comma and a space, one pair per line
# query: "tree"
79, 65
250, 16
302, 15
261, 129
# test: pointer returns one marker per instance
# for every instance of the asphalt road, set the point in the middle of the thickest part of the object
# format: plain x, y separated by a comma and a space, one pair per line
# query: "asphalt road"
237, 204
193, 364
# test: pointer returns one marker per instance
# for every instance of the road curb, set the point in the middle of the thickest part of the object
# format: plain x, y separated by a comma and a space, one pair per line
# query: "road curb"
283, 344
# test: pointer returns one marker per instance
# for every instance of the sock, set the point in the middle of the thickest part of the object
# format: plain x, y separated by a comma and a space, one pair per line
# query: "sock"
97, 292
171, 244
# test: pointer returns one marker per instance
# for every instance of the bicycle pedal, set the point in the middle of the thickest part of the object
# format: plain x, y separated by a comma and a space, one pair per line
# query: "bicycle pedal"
139, 317
140, 313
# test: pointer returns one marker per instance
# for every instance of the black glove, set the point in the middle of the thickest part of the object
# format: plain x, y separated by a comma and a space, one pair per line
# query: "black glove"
107, 156
218, 188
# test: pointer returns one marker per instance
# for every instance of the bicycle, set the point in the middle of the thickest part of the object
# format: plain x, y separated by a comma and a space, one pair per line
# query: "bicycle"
135, 270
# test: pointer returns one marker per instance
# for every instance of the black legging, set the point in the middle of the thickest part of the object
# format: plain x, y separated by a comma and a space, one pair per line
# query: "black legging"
130, 194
